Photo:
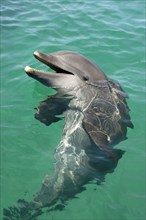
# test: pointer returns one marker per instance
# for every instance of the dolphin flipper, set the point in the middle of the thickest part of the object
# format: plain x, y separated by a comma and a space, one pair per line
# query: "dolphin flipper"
99, 138
107, 118
120, 97
51, 109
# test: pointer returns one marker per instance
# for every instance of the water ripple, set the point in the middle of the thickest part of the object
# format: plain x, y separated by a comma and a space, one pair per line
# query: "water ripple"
112, 34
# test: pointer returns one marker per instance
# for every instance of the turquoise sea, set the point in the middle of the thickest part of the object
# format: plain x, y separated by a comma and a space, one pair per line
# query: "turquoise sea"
112, 34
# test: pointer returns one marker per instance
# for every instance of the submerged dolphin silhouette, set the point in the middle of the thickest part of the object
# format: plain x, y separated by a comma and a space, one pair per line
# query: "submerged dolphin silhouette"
96, 118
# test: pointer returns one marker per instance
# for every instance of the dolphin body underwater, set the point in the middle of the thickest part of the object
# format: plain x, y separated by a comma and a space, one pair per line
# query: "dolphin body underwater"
96, 117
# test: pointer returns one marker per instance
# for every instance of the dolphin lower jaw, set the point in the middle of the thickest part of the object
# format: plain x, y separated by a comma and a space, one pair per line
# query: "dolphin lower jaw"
55, 80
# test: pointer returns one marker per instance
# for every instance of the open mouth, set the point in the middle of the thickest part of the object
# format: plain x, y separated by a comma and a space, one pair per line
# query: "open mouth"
70, 68
48, 60
61, 77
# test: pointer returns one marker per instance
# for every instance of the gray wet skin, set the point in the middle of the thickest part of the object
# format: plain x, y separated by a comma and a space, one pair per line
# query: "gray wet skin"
79, 68
96, 117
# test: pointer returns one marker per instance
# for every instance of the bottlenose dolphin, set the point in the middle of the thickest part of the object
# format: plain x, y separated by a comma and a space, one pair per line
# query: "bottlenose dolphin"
96, 117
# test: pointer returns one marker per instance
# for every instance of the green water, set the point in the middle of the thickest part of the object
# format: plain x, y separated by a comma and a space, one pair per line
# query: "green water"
111, 33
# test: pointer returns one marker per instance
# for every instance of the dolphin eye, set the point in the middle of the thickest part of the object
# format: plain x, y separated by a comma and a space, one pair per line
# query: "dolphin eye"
85, 78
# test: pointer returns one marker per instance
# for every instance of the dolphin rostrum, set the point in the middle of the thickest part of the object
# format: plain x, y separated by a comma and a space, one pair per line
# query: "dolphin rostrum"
96, 117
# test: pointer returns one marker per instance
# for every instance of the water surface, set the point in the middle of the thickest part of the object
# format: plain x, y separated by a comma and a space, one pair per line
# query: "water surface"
111, 33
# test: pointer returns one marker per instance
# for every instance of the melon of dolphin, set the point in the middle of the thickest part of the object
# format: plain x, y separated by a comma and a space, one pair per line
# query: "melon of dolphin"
96, 117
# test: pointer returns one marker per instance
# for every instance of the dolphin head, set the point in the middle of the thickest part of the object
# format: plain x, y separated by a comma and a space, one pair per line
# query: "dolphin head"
83, 87
72, 77
72, 70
